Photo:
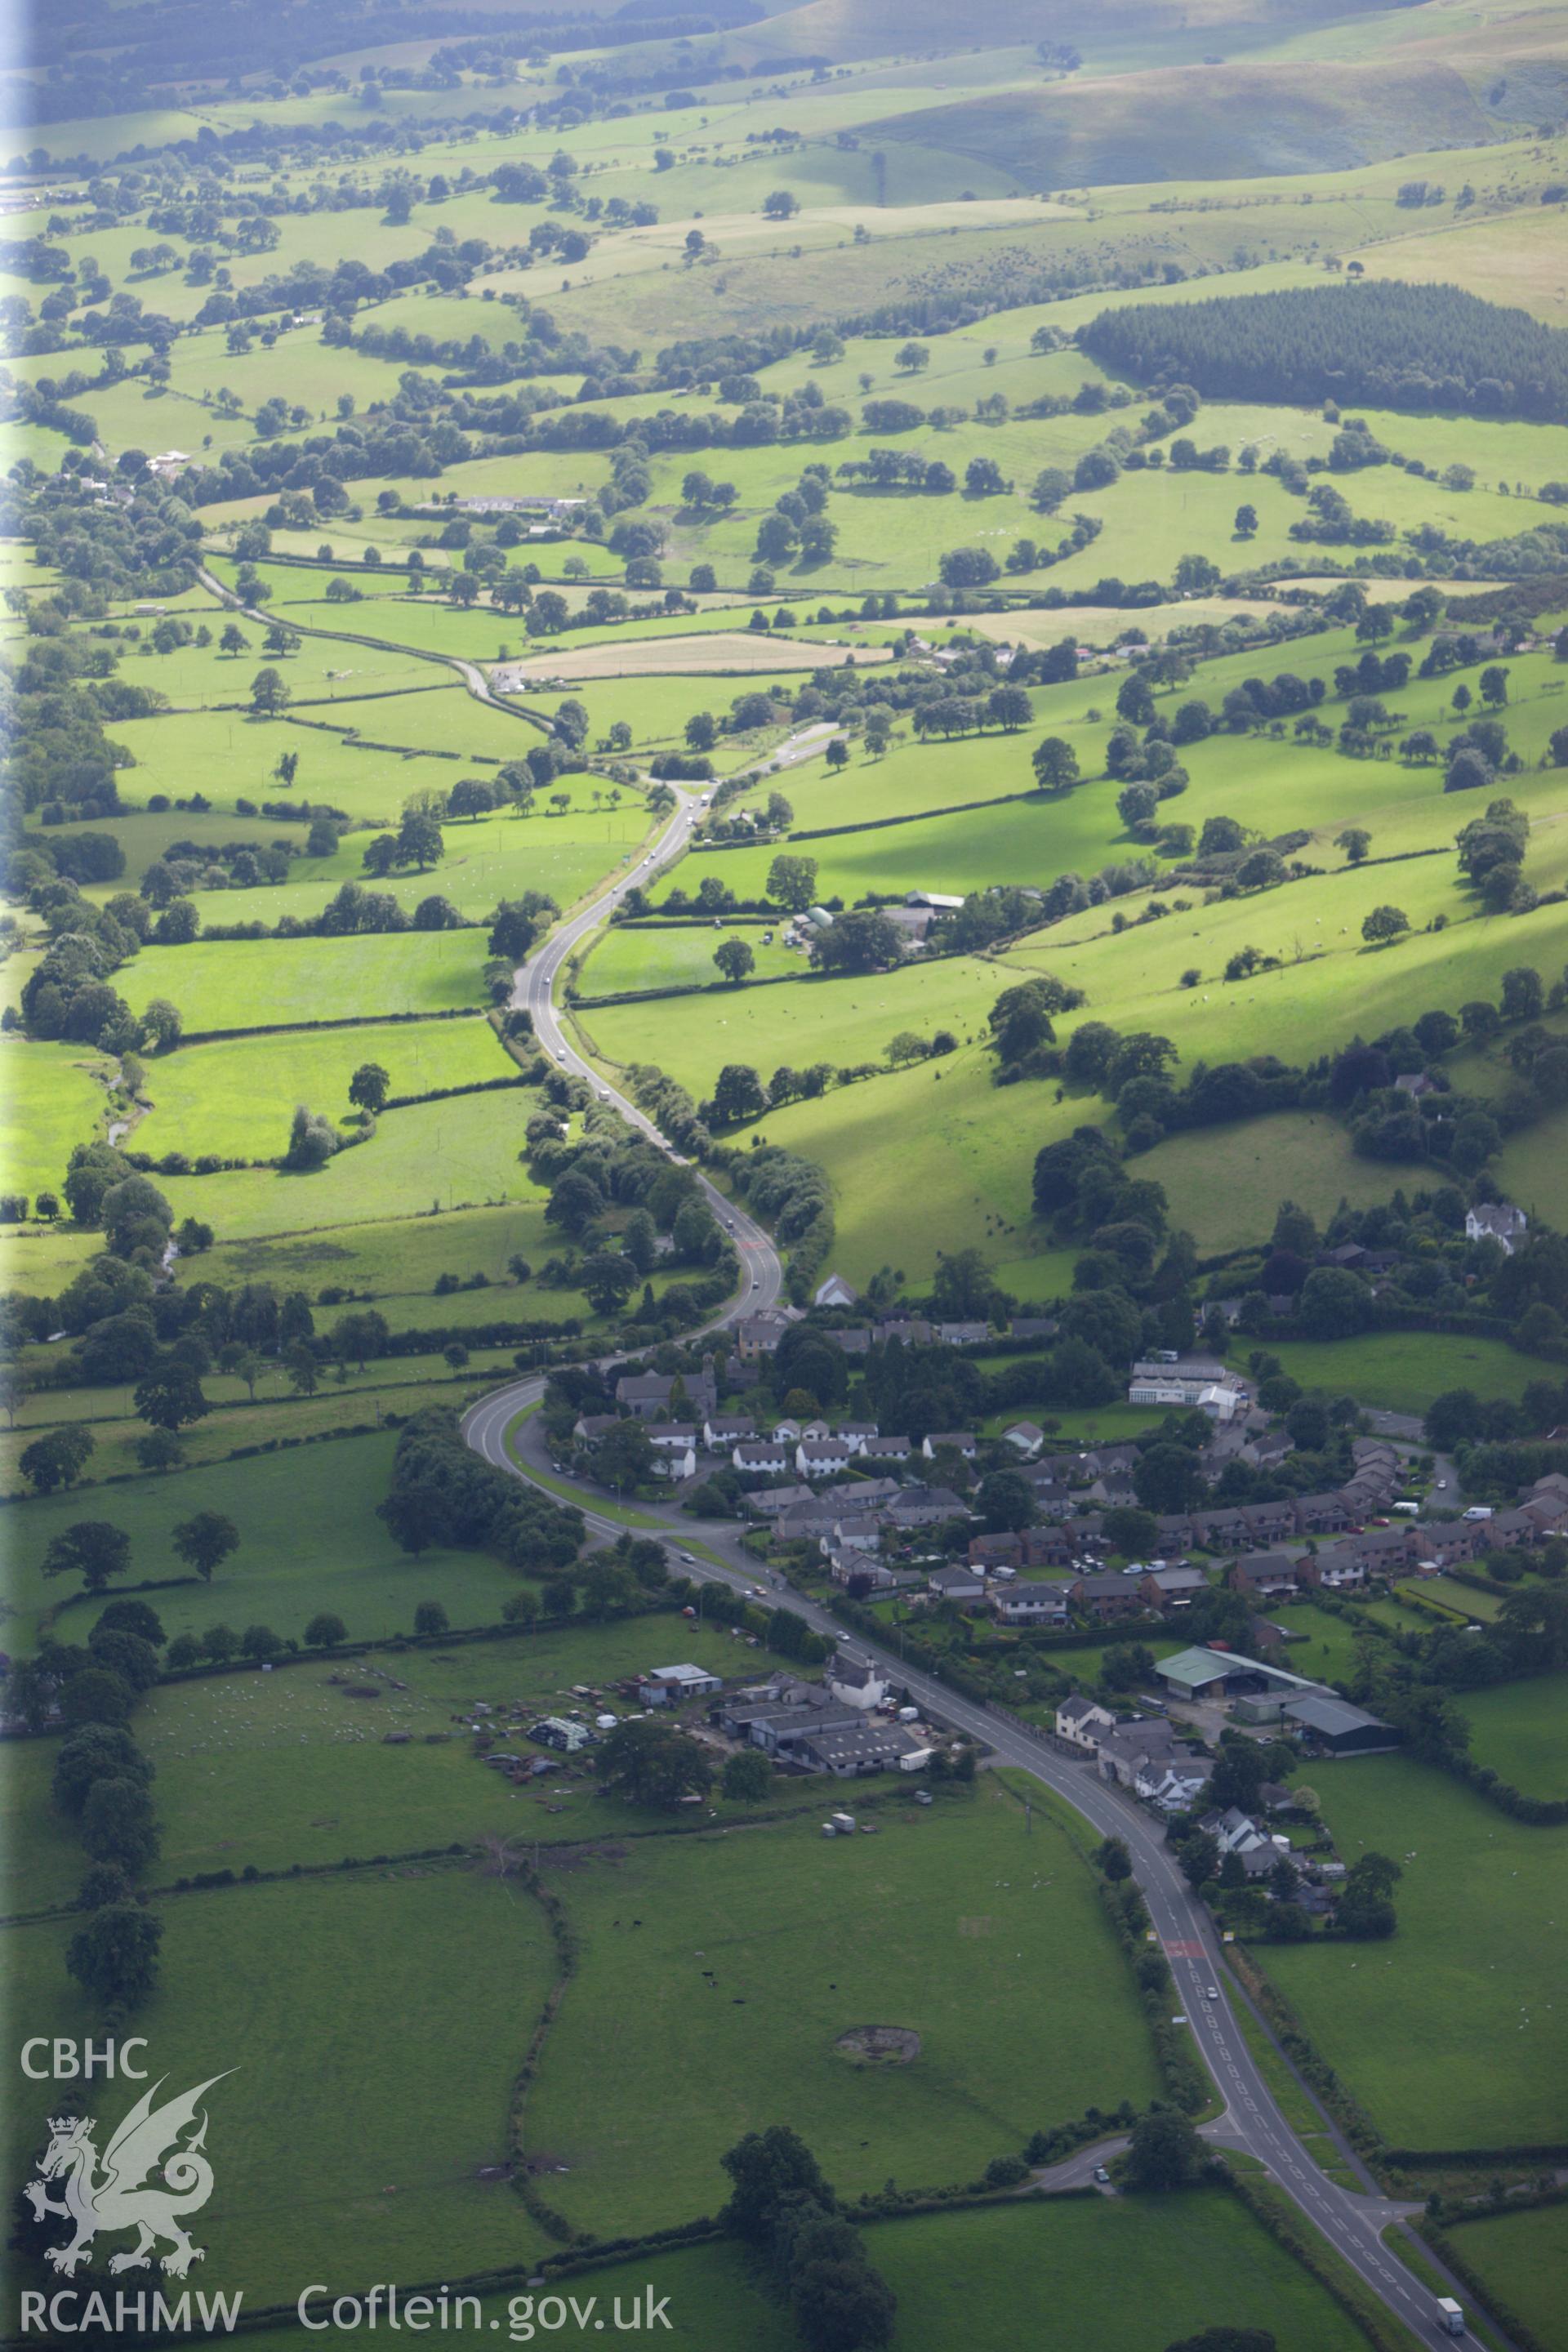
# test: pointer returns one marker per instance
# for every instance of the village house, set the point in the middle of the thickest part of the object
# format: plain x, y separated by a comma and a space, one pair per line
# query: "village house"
847, 1567
1083, 1722
962, 1442
835, 1292
1340, 1571
722, 1432
884, 1447
1495, 1221
924, 1506
857, 1531
675, 1448
765, 1457
856, 1680
1269, 1575
775, 1501
1172, 1588
1025, 1437
1029, 1605
822, 1457
1106, 1596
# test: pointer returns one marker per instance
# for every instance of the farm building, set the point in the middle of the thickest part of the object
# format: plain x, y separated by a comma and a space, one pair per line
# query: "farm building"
1336, 1729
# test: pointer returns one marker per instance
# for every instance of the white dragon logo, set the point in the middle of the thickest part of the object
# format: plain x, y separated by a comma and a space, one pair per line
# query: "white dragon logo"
123, 2197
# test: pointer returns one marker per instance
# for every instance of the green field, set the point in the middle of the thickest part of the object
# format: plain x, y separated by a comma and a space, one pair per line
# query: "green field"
233, 984
54, 1098
461, 1154
236, 1097
310, 1540
1466, 1980
290, 1767
1518, 1730
289, 1991
1518, 2258
814, 1937
680, 957
1402, 1371
1101, 2267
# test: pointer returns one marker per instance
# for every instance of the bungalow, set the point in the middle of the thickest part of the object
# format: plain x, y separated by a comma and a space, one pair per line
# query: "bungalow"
821, 1457
1271, 1574
1029, 1605
1083, 1722
1025, 1437
1172, 1588
963, 1334
835, 1292
1191, 1380
956, 1583
765, 1457
668, 1685
1032, 1327
1109, 1461
1106, 1595
910, 1330
962, 1442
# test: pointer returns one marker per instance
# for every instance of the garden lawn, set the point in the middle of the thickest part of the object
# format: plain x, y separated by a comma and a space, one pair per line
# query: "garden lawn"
460, 1154
290, 1767
365, 2067
1521, 1729
226, 986
1102, 2268
994, 1949
1450, 2035
236, 1097
310, 1540
53, 1098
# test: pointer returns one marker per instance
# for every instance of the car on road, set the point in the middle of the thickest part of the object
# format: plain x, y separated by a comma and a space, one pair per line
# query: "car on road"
603, 1094
1102, 2175
689, 1556
1212, 1993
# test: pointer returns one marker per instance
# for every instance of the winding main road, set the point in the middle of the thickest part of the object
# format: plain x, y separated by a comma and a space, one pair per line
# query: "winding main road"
1252, 2119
